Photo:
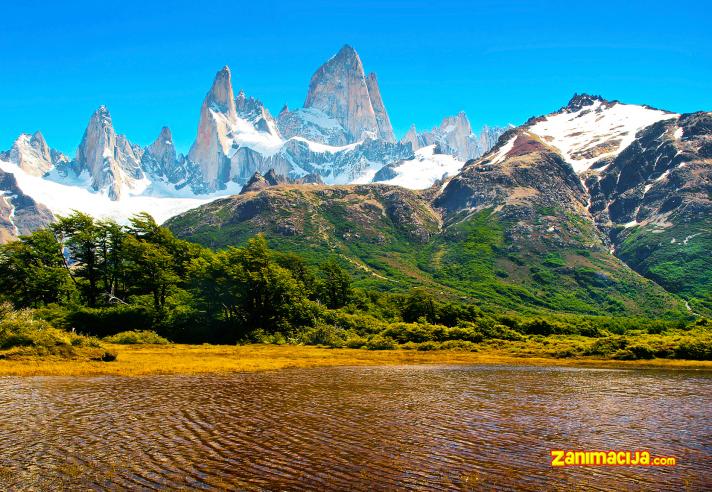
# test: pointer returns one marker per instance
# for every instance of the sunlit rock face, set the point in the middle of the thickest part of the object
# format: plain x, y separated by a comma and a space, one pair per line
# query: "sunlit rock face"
32, 154
112, 162
218, 115
340, 90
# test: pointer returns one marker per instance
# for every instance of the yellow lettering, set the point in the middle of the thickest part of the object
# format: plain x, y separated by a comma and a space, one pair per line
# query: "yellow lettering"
597, 458
557, 456
644, 458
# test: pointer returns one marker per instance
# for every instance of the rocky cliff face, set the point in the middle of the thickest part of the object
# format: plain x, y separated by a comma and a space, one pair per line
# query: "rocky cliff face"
340, 90
218, 117
385, 130
654, 201
111, 161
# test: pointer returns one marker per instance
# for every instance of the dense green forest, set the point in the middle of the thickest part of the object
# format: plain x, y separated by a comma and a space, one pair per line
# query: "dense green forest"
94, 277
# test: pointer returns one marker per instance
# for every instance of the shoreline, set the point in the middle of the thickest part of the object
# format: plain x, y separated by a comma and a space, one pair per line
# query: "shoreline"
143, 360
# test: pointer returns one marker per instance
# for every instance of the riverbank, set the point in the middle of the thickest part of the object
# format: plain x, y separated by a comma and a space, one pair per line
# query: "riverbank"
138, 360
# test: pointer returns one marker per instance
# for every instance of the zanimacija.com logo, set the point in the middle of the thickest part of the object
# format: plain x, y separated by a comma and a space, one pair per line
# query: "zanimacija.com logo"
562, 457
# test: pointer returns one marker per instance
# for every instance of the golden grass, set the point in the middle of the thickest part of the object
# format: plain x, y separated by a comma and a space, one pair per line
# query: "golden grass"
137, 360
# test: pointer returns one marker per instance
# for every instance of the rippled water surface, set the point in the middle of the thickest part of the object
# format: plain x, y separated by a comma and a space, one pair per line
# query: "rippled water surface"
384, 428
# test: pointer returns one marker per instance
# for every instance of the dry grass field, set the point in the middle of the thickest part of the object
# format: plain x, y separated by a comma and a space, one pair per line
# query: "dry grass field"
138, 360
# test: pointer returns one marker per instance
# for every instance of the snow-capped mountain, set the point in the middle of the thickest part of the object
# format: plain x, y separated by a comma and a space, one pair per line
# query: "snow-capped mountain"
343, 134
590, 129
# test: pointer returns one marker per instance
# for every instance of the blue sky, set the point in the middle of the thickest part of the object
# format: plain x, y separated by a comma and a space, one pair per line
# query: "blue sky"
151, 63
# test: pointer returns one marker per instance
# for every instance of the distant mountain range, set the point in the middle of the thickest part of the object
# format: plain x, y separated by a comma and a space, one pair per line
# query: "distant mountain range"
597, 207
343, 134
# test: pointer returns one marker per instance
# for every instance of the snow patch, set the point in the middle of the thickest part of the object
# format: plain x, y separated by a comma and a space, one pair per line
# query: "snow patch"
424, 169
63, 198
662, 176
578, 132
503, 151
690, 237
322, 148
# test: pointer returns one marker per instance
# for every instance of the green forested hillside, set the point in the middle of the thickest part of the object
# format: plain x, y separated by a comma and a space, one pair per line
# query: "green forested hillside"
392, 240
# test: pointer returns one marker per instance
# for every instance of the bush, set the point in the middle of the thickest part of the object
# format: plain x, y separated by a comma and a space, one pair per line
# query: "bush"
694, 349
324, 334
642, 351
22, 333
107, 321
459, 345
134, 337
427, 346
606, 346
379, 342
355, 342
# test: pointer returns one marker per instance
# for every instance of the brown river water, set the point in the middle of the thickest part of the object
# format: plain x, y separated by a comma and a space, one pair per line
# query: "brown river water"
365, 428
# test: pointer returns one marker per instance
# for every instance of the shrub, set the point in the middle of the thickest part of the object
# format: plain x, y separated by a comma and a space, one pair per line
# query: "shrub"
355, 342
606, 346
642, 351
459, 345
694, 349
426, 346
324, 334
110, 320
22, 333
379, 342
137, 337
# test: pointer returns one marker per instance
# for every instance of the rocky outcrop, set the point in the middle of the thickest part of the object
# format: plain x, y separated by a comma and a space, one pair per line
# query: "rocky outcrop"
111, 161
258, 181
370, 214
523, 172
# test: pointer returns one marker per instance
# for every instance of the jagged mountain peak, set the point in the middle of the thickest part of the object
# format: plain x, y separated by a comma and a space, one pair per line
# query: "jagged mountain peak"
32, 154
460, 122
590, 128
340, 90
347, 52
113, 163
163, 140
165, 135
39, 138
578, 101
221, 97
385, 129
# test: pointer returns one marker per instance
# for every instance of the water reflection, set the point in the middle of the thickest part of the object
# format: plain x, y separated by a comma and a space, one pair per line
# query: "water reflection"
424, 427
